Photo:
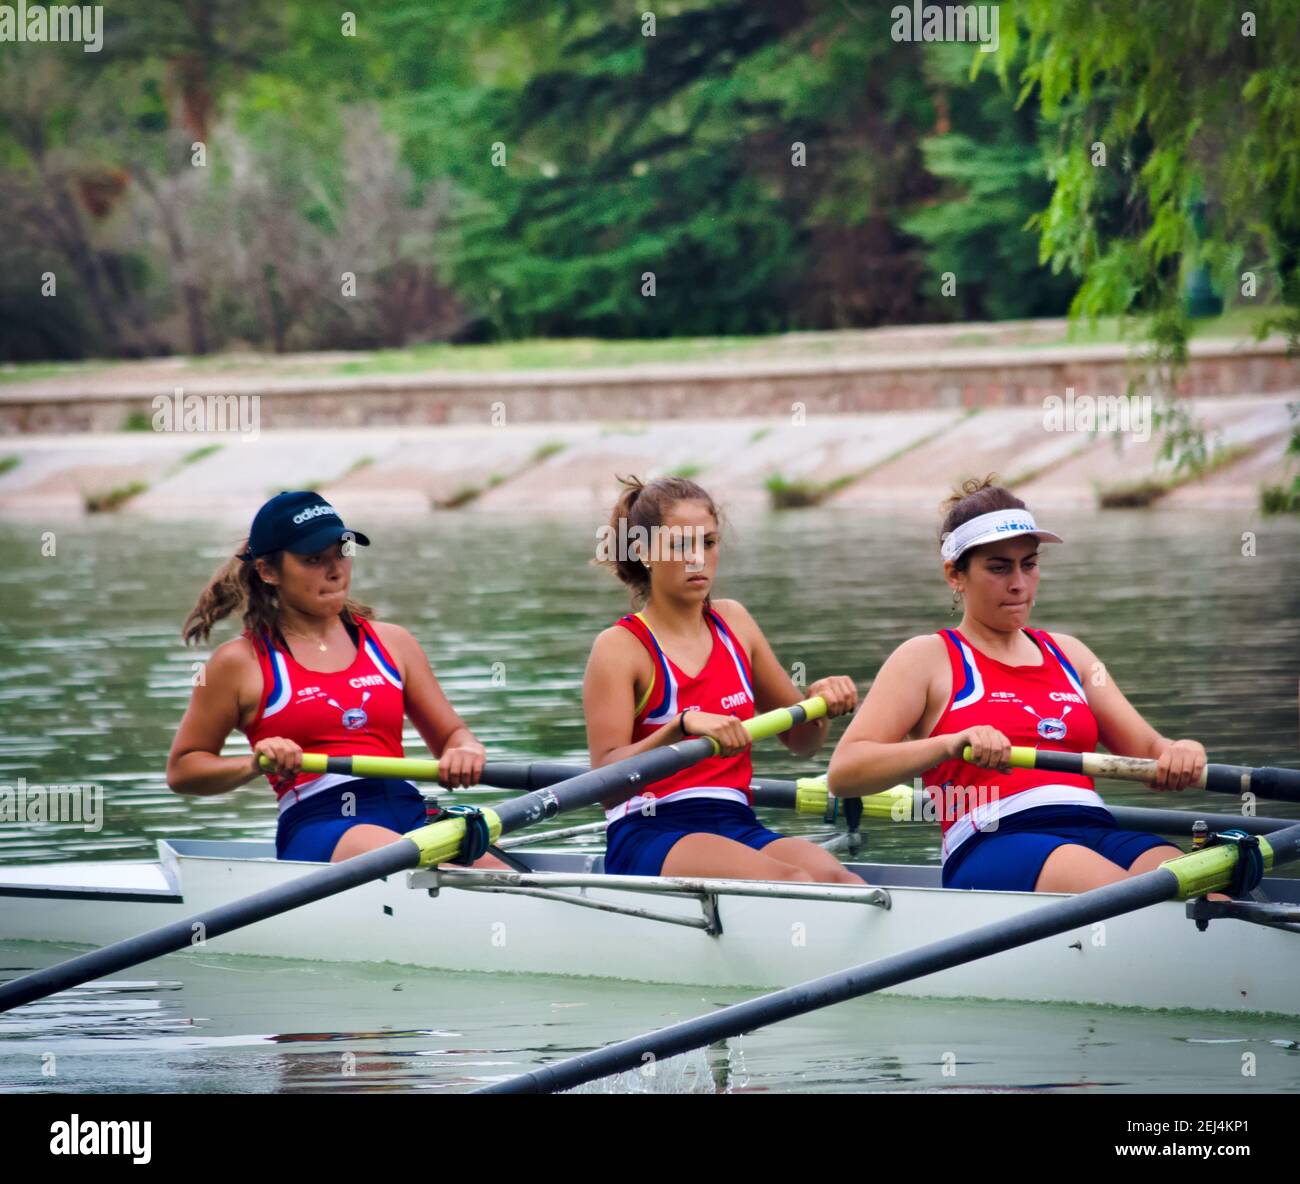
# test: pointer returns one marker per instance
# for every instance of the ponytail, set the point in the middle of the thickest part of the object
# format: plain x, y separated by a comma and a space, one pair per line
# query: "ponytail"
237, 587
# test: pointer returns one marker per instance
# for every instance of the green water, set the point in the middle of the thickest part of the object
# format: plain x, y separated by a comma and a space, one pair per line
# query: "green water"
207, 1023
93, 679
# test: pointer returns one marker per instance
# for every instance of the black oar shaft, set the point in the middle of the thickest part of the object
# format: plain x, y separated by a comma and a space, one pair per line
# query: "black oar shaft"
781, 794
1180, 822
633, 773
526, 775
1275, 784
643, 769
1048, 921
771, 792
192, 931
1058, 917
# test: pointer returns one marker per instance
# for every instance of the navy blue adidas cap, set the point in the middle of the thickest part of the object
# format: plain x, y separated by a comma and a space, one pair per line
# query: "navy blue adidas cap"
302, 522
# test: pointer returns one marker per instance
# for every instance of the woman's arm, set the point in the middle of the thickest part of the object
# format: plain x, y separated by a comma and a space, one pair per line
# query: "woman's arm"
874, 752
1121, 728
773, 687
227, 695
460, 755
617, 664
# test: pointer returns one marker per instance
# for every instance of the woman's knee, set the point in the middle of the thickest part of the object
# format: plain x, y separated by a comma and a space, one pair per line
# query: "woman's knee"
789, 872
359, 839
1072, 867
1152, 858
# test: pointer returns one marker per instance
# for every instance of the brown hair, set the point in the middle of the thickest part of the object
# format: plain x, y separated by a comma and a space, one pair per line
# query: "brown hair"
645, 505
973, 499
236, 587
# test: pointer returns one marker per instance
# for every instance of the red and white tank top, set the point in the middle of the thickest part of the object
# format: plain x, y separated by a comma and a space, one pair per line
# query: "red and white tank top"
722, 687
1041, 706
353, 712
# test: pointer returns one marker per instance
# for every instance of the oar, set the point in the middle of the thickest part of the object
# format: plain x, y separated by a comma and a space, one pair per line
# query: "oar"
1281, 785
899, 803
502, 774
806, 795
809, 795
426, 847
1188, 876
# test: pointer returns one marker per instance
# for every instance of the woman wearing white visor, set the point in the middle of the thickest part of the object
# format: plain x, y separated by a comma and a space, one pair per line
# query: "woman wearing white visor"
991, 683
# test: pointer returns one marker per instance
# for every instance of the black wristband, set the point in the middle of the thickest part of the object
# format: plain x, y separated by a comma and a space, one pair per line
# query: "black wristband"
681, 723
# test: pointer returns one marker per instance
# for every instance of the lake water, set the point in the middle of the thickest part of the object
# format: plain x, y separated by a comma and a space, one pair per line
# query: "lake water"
1204, 639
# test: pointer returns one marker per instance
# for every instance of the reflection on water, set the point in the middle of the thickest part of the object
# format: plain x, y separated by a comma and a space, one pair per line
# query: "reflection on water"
93, 679
266, 1025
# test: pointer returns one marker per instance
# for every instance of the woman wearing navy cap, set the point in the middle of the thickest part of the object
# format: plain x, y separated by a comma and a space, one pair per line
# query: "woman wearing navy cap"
313, 672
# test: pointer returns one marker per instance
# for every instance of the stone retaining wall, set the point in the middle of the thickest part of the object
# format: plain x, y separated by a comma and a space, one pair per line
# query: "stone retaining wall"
946, 379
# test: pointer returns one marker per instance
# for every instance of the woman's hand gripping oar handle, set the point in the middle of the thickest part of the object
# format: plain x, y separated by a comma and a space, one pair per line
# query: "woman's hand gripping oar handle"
406, 768
1265, 782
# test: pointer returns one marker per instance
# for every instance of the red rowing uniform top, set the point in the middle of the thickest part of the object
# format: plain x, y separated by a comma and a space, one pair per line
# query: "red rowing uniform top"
353, 712
722, 687
1041, 706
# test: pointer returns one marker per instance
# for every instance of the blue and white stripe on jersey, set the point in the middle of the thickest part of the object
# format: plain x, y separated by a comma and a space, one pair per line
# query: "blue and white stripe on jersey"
729, 642
386, 668
972, 687
281, 689
1072, 675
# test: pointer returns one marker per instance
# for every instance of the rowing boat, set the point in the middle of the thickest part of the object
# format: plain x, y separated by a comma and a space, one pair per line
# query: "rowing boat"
565, 916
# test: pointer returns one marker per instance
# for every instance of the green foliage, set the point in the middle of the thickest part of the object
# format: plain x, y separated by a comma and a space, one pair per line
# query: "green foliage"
547, 450
112, 499
797, 495
995, 182
507, 169
1199, 107
201, 453
1284, 498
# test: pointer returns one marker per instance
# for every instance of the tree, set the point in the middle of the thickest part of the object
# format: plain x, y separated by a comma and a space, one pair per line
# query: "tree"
1159, 108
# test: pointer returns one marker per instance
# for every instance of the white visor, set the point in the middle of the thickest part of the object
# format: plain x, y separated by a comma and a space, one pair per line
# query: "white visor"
989, 528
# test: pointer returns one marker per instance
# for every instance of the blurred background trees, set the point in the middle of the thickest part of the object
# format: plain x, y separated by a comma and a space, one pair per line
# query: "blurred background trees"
246, 174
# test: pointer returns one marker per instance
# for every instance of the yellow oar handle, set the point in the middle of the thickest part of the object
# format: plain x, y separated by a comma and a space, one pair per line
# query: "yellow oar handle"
404, 768
773, 723
407, 768
896, 803
1021, 758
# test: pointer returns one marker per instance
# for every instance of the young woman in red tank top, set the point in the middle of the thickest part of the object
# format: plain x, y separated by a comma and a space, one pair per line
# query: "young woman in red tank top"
686, 665
991, 683
312, 673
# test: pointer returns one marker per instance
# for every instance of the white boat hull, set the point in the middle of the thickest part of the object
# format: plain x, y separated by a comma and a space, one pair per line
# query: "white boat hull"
1155, 958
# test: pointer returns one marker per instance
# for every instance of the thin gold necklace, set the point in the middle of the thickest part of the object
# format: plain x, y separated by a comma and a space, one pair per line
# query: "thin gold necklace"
294, 633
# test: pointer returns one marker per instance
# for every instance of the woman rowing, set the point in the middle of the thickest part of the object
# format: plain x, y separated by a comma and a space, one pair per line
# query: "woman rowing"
313, 672
991, 683
640, 693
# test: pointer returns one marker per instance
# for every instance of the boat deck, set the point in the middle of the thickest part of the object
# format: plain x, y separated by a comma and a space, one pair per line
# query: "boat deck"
116, 880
